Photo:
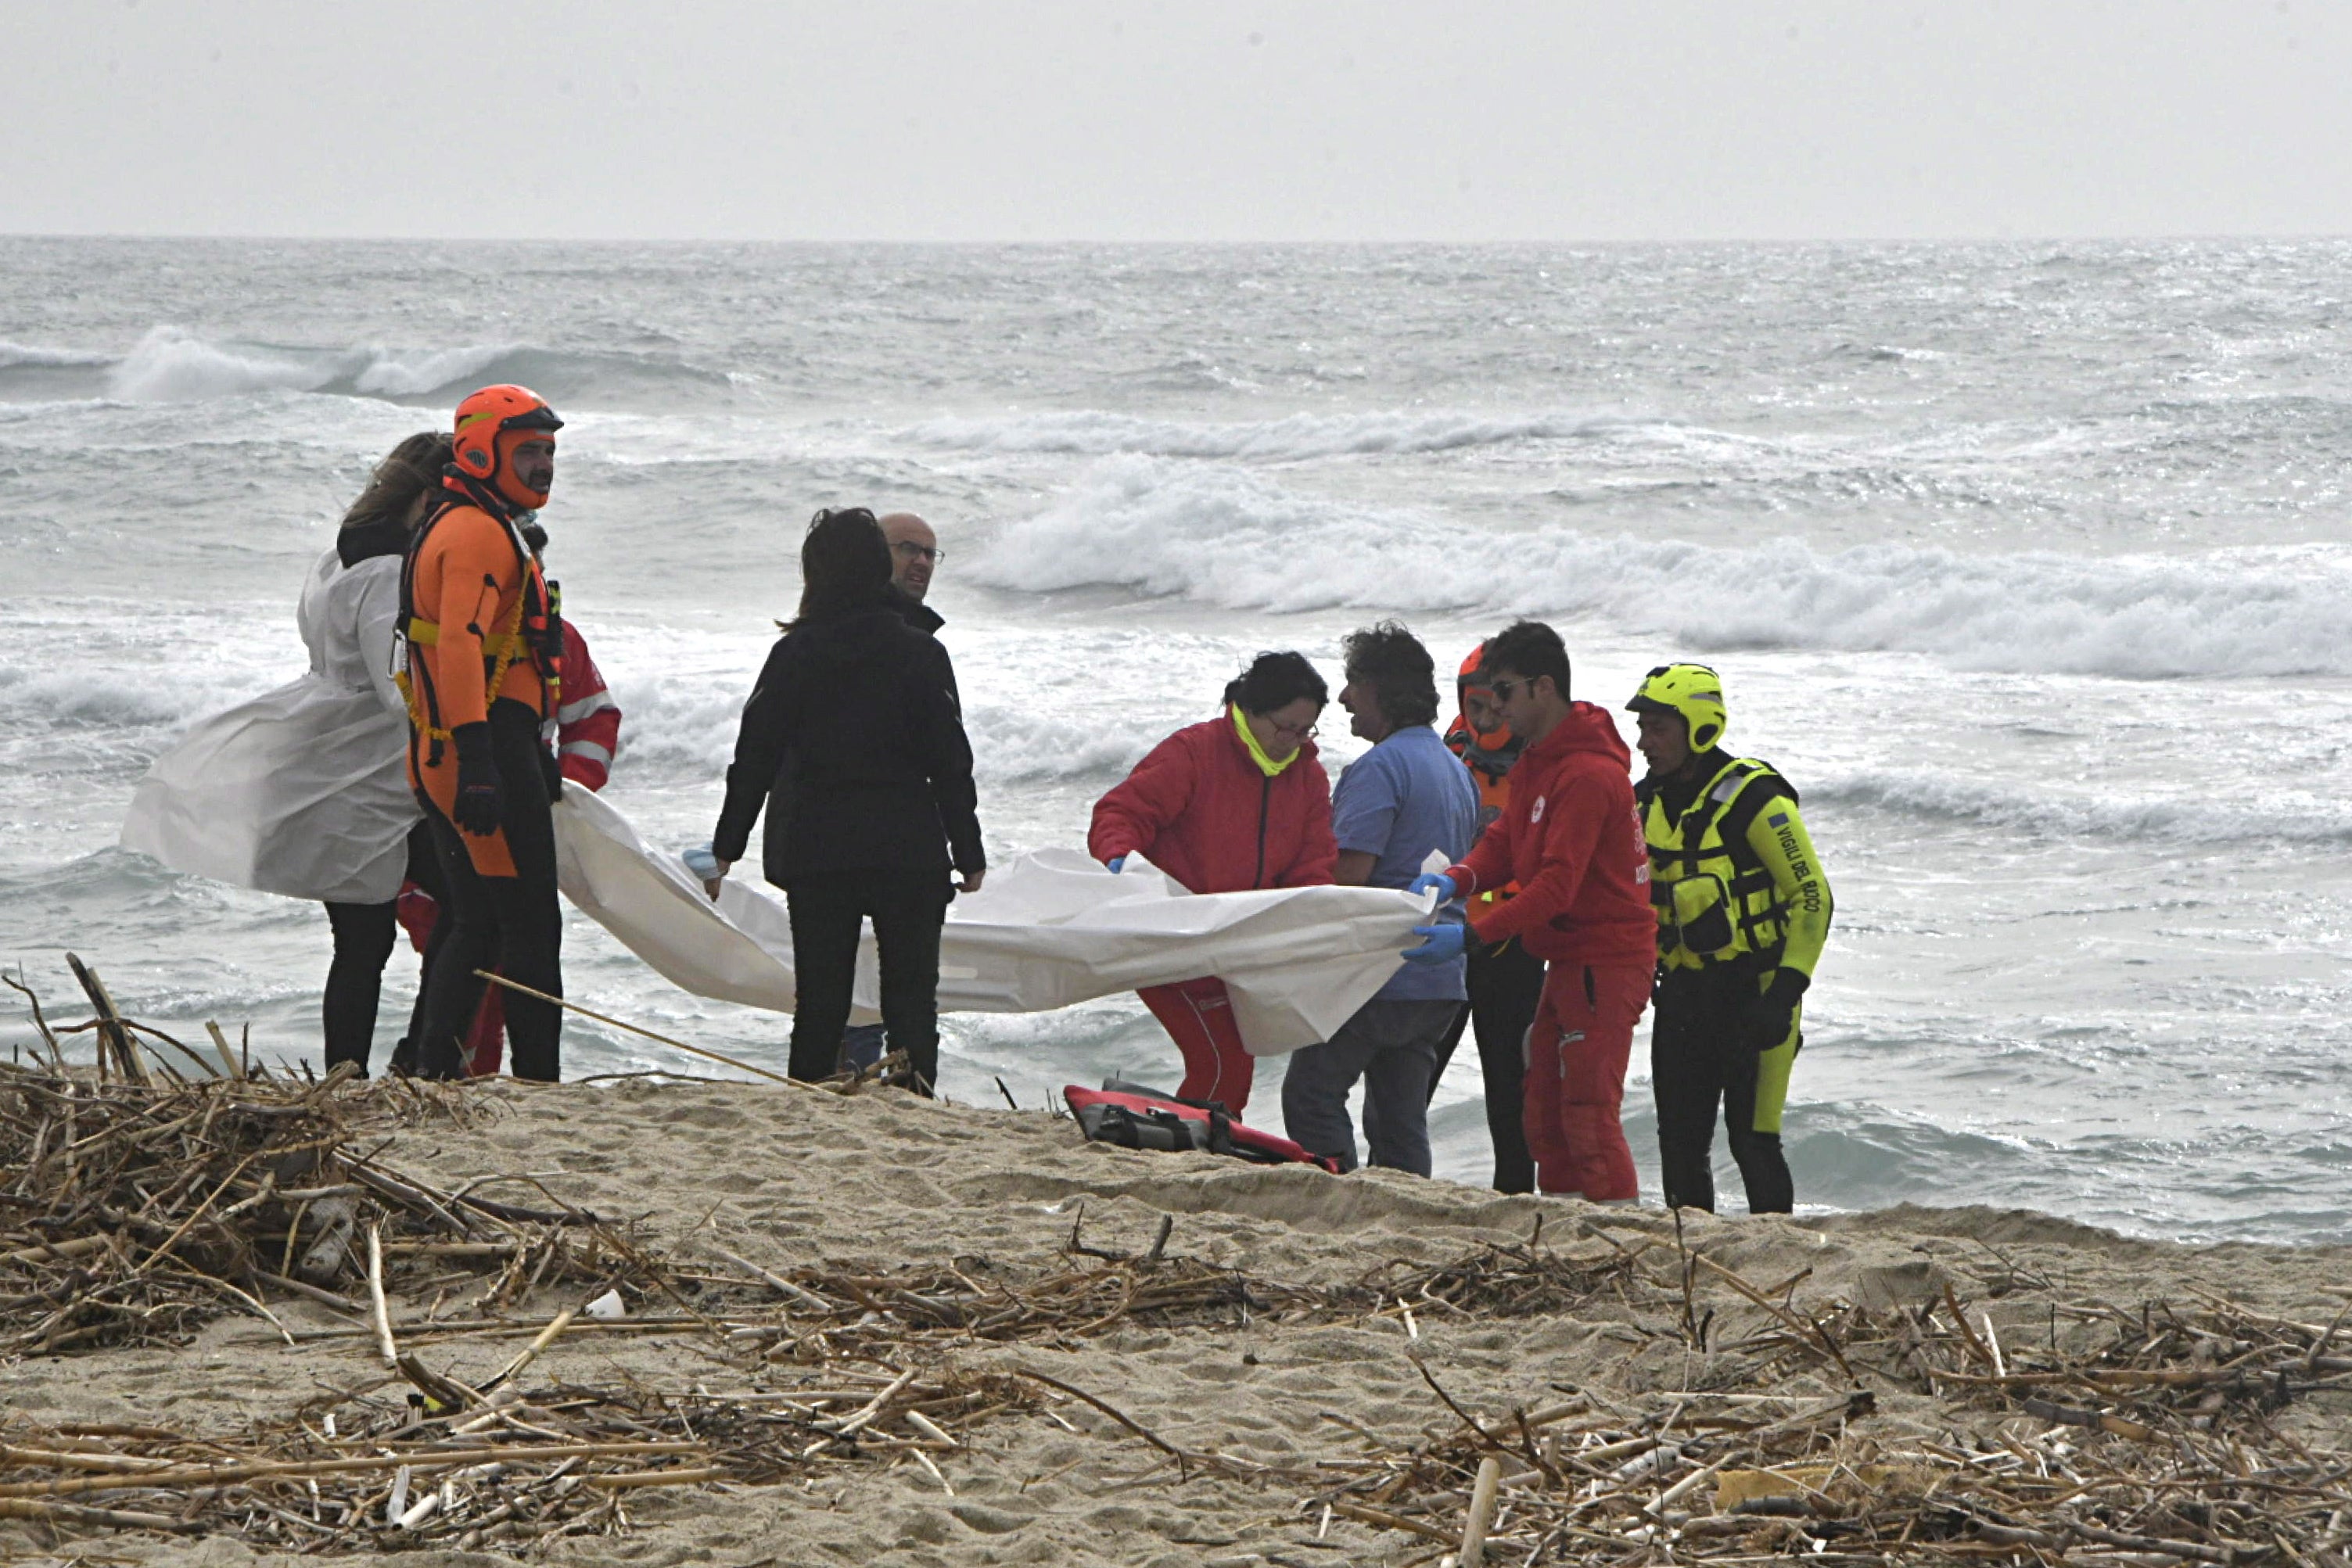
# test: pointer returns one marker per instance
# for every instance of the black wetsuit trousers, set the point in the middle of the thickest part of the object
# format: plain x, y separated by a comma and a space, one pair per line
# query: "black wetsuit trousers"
512, 924
1700, 1057
365, 936
1505, 983
828, 911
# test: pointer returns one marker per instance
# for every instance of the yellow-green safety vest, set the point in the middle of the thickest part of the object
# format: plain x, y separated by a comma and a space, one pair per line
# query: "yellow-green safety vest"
1717, 904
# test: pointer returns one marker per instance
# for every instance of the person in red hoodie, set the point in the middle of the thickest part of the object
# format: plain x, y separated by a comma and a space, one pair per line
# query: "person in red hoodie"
1234, 803
587, 735
1572, 840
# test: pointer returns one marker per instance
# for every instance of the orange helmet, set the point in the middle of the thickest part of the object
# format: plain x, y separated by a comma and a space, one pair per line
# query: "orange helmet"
490, 424
1474, 675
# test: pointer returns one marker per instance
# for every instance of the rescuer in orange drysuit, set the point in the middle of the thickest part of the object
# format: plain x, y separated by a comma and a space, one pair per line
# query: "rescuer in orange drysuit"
483, 641
587, 738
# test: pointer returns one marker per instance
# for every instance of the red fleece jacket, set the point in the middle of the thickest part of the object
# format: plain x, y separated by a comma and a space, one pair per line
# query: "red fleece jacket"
1201, 808
1572, 841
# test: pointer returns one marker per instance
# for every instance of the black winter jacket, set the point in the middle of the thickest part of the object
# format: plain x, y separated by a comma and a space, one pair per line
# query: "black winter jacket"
854, 740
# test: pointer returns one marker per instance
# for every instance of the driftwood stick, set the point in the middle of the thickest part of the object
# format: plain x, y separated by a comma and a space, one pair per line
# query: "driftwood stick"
380, 1311
1149, 1435
806, 1298
859, 1418
57, 1052
209, 1070
1386, 1521
220, 1043
1468, 1419
199, 1476
112, 1037
112, 1519
662, 1039
1481, 1512
53, 1251
562, 1321
1809, 1333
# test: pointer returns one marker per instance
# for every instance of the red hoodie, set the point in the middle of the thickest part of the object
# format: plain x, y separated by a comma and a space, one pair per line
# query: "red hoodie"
1571, 838
1201, 808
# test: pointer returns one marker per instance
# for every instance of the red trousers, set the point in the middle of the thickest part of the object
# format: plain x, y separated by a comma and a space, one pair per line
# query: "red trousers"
1577, 1050
1199, 1016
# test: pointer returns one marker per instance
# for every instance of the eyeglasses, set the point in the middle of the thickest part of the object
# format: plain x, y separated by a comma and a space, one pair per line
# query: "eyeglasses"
1503, 689
907, 549
1306, 732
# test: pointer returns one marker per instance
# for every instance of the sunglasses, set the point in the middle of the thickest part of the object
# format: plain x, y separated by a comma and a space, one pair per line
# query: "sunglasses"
1503, 689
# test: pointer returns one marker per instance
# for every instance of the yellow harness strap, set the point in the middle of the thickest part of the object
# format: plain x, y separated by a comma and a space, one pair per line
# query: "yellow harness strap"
427, 634
501, 647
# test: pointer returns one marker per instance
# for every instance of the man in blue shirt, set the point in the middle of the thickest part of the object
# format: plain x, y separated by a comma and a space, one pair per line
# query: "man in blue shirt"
1405, 797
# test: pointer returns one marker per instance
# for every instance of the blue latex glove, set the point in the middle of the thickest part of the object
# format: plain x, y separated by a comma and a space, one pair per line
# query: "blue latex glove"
1444, 943
1446, 892
1112, 864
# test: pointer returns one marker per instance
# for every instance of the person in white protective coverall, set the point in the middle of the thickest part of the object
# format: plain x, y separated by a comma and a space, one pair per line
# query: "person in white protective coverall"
304, 791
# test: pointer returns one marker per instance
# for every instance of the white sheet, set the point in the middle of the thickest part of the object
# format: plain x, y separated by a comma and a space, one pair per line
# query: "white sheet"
303, 790
1047, 930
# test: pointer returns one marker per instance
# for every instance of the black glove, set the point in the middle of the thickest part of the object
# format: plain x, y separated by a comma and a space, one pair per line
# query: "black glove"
552, 771
1770, 1014
477, 810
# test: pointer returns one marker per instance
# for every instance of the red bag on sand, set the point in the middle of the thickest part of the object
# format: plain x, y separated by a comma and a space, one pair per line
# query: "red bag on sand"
1135, 1118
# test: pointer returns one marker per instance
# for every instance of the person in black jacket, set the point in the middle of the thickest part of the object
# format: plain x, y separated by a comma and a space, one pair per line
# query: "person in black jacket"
854, 741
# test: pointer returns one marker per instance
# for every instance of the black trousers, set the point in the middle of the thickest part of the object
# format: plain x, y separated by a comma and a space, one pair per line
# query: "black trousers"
1700, 1057
1505, 983
365, 936
509, 923
828, 910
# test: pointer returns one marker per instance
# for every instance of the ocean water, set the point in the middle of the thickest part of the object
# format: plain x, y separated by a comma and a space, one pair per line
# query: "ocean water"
2027, 562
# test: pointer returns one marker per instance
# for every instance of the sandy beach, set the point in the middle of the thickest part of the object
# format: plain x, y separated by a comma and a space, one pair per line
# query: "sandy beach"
882, 1183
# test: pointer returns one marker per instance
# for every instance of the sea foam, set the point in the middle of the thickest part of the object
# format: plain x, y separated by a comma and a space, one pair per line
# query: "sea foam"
1226, 536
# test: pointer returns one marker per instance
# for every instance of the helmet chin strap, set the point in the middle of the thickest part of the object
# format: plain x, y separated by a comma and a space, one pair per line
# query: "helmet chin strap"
491, 498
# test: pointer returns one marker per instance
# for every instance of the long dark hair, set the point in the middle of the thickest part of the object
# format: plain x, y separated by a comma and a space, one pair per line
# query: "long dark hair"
405, 484
1276, 681
844, 564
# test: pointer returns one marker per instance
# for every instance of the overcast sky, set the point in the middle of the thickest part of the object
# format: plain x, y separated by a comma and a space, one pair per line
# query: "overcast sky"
1178, 119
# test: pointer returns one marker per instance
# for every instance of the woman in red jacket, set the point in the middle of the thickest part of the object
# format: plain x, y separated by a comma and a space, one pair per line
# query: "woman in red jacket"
1238, 802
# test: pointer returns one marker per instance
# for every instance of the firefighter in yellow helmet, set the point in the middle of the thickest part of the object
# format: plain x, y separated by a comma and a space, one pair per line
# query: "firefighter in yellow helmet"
1743, 911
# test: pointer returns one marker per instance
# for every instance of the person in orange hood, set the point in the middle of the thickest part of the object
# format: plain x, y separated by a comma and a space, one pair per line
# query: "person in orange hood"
483, 651
1506, 980
1571, 841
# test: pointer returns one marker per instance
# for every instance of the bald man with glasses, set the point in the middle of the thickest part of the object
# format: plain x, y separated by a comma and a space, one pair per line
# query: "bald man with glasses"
915, 553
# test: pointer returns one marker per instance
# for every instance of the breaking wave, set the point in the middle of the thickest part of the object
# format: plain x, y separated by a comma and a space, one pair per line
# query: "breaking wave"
33, 356
172, 365
1226, 536
2191, 817
1303, 435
